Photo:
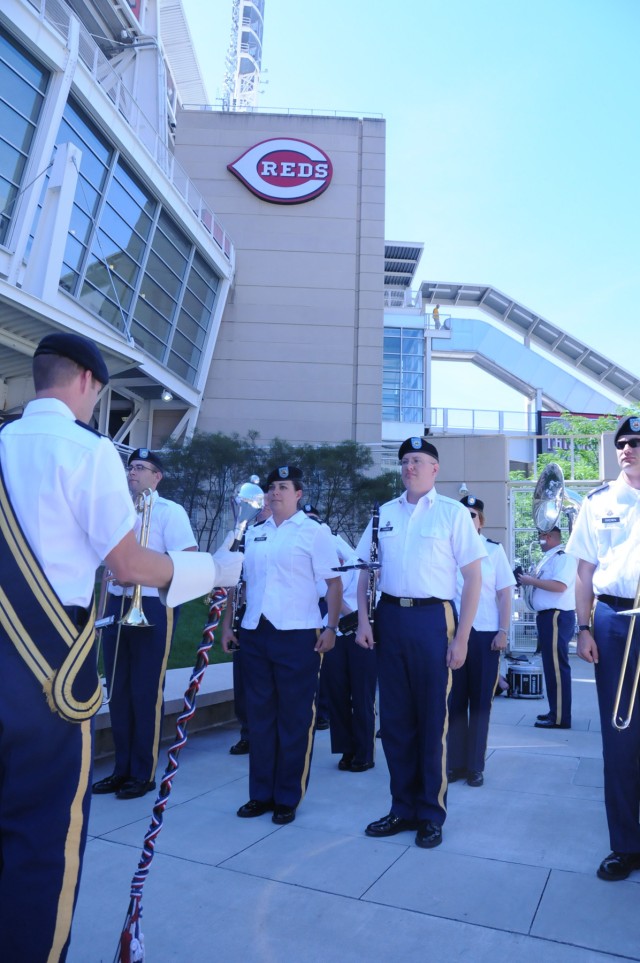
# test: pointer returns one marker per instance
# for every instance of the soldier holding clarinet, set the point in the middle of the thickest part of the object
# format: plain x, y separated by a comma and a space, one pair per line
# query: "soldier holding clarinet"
424, 538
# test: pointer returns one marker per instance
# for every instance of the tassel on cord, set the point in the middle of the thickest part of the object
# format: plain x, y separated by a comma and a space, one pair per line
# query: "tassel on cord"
131, 945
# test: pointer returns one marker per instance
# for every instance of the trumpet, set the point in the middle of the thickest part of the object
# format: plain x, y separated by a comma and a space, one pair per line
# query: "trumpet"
135, 617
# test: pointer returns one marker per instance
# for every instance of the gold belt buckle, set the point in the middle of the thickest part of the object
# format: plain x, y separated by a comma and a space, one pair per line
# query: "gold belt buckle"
406, 603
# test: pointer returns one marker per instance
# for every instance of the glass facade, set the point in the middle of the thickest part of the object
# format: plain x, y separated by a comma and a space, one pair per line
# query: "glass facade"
23, 84
127, 260
403, 375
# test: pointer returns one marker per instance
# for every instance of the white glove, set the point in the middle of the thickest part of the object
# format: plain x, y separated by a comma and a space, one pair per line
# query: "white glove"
228, 564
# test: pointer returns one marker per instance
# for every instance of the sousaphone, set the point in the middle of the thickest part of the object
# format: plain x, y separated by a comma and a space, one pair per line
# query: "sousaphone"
551, 499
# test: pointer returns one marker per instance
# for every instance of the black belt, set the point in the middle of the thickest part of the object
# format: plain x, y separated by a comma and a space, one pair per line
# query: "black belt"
616, 602
409, 603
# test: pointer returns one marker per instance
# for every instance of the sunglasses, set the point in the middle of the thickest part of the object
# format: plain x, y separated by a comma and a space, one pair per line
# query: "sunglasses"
631, 442
473, 514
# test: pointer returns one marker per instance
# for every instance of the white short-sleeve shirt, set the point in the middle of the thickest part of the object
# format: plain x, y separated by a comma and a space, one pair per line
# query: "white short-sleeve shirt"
170, 531
282, 564
558, 566
422, 546
607, 534
496, 575
69, 492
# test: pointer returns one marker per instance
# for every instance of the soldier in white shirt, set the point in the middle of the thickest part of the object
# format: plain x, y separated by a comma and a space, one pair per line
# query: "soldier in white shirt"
424, 538
474, 684
65, 508
606, 542
135, 657
282, 643
554, 600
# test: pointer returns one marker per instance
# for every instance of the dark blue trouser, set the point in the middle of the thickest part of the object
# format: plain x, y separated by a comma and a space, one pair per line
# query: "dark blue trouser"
555, 630
470, 703
414, 684
45, 783
350, 673
136, 703
621, 750
281, 670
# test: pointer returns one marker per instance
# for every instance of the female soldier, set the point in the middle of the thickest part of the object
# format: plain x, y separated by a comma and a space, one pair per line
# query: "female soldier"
474, 684
281, 646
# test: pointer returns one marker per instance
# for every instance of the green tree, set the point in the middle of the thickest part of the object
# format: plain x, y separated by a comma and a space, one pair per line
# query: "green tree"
202, 476
337, 481
586, 439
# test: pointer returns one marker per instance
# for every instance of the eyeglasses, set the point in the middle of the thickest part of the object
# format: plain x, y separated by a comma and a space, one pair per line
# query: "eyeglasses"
137, 468
631, 442
473, 514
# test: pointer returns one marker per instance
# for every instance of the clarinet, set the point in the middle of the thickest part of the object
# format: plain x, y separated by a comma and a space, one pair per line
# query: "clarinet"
373, 563
237, 603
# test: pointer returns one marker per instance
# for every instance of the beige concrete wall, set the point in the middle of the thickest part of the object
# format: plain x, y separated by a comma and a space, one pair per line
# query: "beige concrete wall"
299, 353
482, 463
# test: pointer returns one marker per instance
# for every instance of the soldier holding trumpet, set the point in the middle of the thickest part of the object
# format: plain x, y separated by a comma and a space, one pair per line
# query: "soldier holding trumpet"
136, 650
606, 541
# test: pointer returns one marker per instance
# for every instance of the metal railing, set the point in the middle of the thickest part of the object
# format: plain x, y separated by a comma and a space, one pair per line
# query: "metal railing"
58, 16
472, 420
293, 111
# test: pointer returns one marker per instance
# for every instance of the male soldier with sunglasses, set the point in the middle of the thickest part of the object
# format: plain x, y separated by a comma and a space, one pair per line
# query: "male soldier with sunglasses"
606, 541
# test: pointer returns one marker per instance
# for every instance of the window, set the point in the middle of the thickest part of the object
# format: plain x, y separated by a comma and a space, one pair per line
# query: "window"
127, 260
403, 375
23, 84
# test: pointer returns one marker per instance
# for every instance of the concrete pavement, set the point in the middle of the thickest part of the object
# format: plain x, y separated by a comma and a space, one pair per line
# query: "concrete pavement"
514, 877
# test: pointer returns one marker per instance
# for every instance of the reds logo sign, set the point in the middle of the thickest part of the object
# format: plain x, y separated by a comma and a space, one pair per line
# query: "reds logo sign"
284, 170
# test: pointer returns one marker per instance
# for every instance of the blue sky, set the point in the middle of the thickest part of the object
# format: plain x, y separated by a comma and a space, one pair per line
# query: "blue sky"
513, 135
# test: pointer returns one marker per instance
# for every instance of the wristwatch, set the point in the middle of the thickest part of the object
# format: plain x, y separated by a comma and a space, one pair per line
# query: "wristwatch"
584, 628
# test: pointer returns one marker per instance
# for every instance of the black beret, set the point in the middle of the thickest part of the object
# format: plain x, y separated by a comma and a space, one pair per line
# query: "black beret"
310, 509
472, 502
78, 349
291, 472
145, 454
418, 444
630, 426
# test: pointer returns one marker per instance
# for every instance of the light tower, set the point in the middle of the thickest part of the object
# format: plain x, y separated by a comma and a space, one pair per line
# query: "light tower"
244, 55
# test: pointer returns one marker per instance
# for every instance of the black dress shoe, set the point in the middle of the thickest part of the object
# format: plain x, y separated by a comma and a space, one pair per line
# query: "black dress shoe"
109, 784
429, 835
255, 807
548, 724
361, 766
134, 788
389, 826
241, 748
475, 779
322, 723
545, 715
283, 814
345, 762
453, 775
617, 866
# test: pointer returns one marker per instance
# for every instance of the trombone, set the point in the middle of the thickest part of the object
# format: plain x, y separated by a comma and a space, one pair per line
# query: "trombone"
135, 617
619, 721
